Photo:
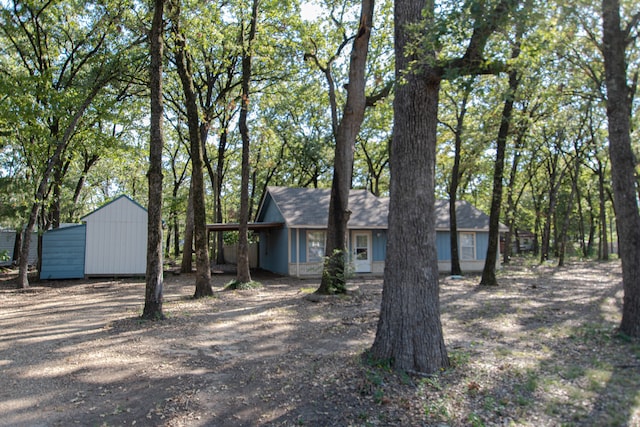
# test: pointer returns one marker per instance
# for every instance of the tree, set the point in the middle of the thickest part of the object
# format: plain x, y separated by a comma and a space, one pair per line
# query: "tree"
410, 295
61, 69
184, 66
154, 277
456, 174
489, 271
409, 333
243, 272
346, 132
615, 41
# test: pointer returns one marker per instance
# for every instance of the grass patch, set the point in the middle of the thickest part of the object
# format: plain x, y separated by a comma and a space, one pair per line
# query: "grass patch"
458, 358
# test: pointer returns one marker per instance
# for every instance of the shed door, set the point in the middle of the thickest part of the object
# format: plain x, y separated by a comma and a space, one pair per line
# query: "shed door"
362, 251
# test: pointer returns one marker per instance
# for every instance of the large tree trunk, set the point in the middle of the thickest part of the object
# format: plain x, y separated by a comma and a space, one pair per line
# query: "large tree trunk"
243, 274
154, 277
333, 274
623, 174
183, 62
409, 333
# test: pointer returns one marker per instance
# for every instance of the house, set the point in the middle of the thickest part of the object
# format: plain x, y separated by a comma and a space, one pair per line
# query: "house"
112, 241
294, 243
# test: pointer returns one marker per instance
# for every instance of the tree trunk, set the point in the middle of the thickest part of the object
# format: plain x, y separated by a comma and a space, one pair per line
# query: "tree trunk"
333, 274
89, 161
603, 253
154, 277
555, 179
187, 247
623, 172
455, 181
183, 63
567, 215
409, 333
222, 146
510, 210
243, 272
53, 162
489, 271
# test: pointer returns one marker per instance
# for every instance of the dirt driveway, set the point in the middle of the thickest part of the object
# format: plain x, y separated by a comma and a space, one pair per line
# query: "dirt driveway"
539, 350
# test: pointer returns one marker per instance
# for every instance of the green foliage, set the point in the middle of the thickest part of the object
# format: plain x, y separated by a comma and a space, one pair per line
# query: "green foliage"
335, 273
4, 255
243, 286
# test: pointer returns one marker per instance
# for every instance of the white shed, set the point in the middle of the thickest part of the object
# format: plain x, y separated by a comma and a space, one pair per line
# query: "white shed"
116, 239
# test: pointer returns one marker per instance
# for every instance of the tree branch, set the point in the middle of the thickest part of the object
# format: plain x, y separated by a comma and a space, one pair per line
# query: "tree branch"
372, 99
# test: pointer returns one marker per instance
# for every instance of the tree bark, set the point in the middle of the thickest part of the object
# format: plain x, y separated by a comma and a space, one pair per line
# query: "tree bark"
489, 271
183, 63
623, 174
603, 252
243, 272
455, 181
53, 162
186, 265
222, 147
411, 289
154, 277
333, 274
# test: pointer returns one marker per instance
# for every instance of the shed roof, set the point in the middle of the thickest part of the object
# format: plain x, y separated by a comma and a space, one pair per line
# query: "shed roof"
112, 202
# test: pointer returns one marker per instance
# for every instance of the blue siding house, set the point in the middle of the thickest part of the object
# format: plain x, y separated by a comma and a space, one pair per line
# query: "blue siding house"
294, 244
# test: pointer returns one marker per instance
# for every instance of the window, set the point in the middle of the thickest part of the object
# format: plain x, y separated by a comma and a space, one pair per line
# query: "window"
467, 246
315, 246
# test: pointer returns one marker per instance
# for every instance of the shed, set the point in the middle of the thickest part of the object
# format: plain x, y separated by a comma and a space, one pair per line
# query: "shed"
116, 239
112, 241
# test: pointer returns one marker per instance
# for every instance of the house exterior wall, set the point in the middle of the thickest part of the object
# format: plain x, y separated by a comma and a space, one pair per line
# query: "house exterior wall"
298, 265
379, 247
63, 252
273, 245
116, 239
443, 247
272, 250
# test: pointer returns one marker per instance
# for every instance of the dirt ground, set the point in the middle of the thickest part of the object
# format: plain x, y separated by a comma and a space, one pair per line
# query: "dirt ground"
541, 349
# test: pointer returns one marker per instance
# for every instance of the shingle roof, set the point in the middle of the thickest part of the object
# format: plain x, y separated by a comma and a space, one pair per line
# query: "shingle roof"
468, 216
309, 207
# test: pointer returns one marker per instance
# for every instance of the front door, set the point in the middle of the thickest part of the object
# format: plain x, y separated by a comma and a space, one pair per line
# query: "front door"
362, 251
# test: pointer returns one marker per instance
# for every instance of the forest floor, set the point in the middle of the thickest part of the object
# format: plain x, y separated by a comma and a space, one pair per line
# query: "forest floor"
540, 349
